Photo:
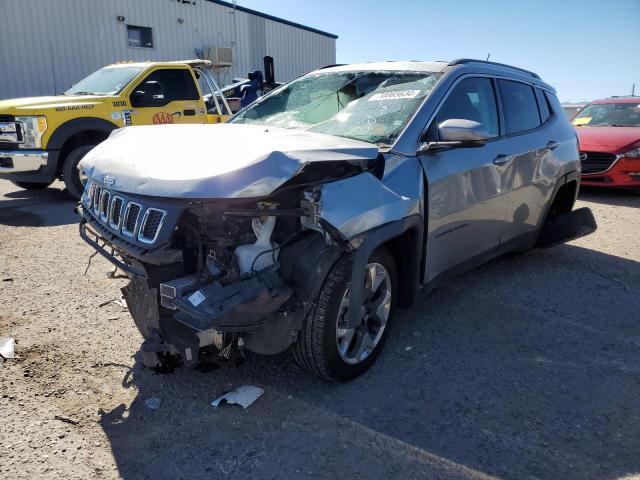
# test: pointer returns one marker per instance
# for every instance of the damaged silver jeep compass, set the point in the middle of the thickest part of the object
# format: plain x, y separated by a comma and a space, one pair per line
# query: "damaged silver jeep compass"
313, 214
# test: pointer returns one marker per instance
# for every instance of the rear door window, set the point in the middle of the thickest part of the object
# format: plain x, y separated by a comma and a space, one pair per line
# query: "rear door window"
519, 105
471, 99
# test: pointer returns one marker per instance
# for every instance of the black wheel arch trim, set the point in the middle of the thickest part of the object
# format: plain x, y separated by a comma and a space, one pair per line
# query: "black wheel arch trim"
572, 176
72, 127
78, 125
374, 239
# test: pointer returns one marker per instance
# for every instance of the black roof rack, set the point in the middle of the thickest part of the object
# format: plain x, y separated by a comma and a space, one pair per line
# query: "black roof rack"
461, 61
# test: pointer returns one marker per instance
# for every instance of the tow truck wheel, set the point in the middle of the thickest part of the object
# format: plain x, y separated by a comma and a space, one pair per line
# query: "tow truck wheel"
70, 174
327, 345
32, 185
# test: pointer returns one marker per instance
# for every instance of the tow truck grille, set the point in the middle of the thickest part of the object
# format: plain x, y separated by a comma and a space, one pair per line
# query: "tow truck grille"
596, 162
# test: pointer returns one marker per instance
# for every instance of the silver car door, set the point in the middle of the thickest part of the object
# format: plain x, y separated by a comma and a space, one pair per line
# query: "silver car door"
467, 188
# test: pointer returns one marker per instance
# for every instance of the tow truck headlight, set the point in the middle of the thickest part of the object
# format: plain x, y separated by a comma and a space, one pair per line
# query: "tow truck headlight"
33, 127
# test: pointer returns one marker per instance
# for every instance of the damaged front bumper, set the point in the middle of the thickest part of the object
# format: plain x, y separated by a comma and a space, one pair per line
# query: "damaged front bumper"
262, 312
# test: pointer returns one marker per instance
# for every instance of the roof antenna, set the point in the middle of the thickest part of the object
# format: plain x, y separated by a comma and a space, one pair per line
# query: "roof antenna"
488, 55
633, 90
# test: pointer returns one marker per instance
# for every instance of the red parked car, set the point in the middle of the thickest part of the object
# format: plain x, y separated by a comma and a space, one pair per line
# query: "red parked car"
609, 134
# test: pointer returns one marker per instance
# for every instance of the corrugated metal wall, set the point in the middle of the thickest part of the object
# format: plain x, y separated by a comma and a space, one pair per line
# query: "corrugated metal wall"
48, 45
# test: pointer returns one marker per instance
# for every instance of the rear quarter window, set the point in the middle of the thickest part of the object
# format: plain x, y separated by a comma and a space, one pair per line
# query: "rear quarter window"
519, 105
546, 110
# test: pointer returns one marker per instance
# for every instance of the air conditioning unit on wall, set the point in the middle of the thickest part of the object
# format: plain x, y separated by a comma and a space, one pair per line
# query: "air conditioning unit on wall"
219, 56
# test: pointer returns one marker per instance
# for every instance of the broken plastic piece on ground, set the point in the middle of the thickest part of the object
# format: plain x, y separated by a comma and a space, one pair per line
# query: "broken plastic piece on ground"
243, 396
153, 403
7, 347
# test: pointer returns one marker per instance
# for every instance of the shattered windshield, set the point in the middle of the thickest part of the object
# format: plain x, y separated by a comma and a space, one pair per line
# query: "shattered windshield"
609, 115
106, 81
369, 106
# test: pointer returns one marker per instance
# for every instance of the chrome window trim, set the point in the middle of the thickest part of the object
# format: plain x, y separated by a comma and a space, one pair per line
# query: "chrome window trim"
115, 226
141, 237
126, 216
498, 99
408, 142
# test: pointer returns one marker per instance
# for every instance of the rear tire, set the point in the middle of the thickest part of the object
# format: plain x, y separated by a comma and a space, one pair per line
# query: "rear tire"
32, 185
70, 173
317, 347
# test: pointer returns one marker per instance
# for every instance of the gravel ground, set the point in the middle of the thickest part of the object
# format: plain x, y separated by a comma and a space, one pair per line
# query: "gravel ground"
526, 368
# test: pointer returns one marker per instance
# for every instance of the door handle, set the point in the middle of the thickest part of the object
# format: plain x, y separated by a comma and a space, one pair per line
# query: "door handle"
502, 159
552, 145
189, 113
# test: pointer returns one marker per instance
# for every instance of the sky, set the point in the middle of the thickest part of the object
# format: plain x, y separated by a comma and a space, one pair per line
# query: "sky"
586, 49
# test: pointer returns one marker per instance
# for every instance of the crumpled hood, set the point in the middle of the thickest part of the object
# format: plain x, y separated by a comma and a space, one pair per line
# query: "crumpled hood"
32, 105
609, 139
212, 161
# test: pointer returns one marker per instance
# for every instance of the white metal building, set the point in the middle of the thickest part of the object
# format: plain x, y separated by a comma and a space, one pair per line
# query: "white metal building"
48, 45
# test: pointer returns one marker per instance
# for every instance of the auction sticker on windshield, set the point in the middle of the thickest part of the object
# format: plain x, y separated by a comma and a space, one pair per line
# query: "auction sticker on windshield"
396, 95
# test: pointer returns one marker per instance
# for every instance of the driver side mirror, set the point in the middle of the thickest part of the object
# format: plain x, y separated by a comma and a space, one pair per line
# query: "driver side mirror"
458, 132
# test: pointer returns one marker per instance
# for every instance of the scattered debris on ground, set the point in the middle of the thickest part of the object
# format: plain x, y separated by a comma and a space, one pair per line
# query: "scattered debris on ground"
7, 347
116, 301
243, 396
153, 403
66, 419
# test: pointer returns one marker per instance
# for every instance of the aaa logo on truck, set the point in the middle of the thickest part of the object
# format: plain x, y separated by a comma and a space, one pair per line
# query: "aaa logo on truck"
162, 118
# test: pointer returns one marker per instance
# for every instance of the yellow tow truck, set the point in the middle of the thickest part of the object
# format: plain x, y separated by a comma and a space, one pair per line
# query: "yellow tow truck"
44, 138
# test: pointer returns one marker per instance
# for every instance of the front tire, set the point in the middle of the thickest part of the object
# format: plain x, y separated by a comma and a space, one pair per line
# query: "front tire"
70, 173
32, 185
325, 345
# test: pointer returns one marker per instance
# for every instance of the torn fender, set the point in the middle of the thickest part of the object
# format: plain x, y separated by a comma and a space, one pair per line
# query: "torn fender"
370, 212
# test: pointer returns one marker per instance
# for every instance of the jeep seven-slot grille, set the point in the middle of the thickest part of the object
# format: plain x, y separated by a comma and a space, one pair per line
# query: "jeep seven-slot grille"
104, 205
127, 217
131, 215
596, 162
151, 224
116, 212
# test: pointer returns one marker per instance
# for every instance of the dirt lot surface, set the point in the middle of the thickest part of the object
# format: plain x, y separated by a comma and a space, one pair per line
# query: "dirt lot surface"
526, 368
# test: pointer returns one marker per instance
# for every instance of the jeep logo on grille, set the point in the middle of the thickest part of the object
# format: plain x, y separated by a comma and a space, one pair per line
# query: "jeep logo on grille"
109, 180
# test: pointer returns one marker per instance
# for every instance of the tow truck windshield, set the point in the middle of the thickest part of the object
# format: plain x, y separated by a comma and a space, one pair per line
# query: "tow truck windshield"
106, 81
369, 106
